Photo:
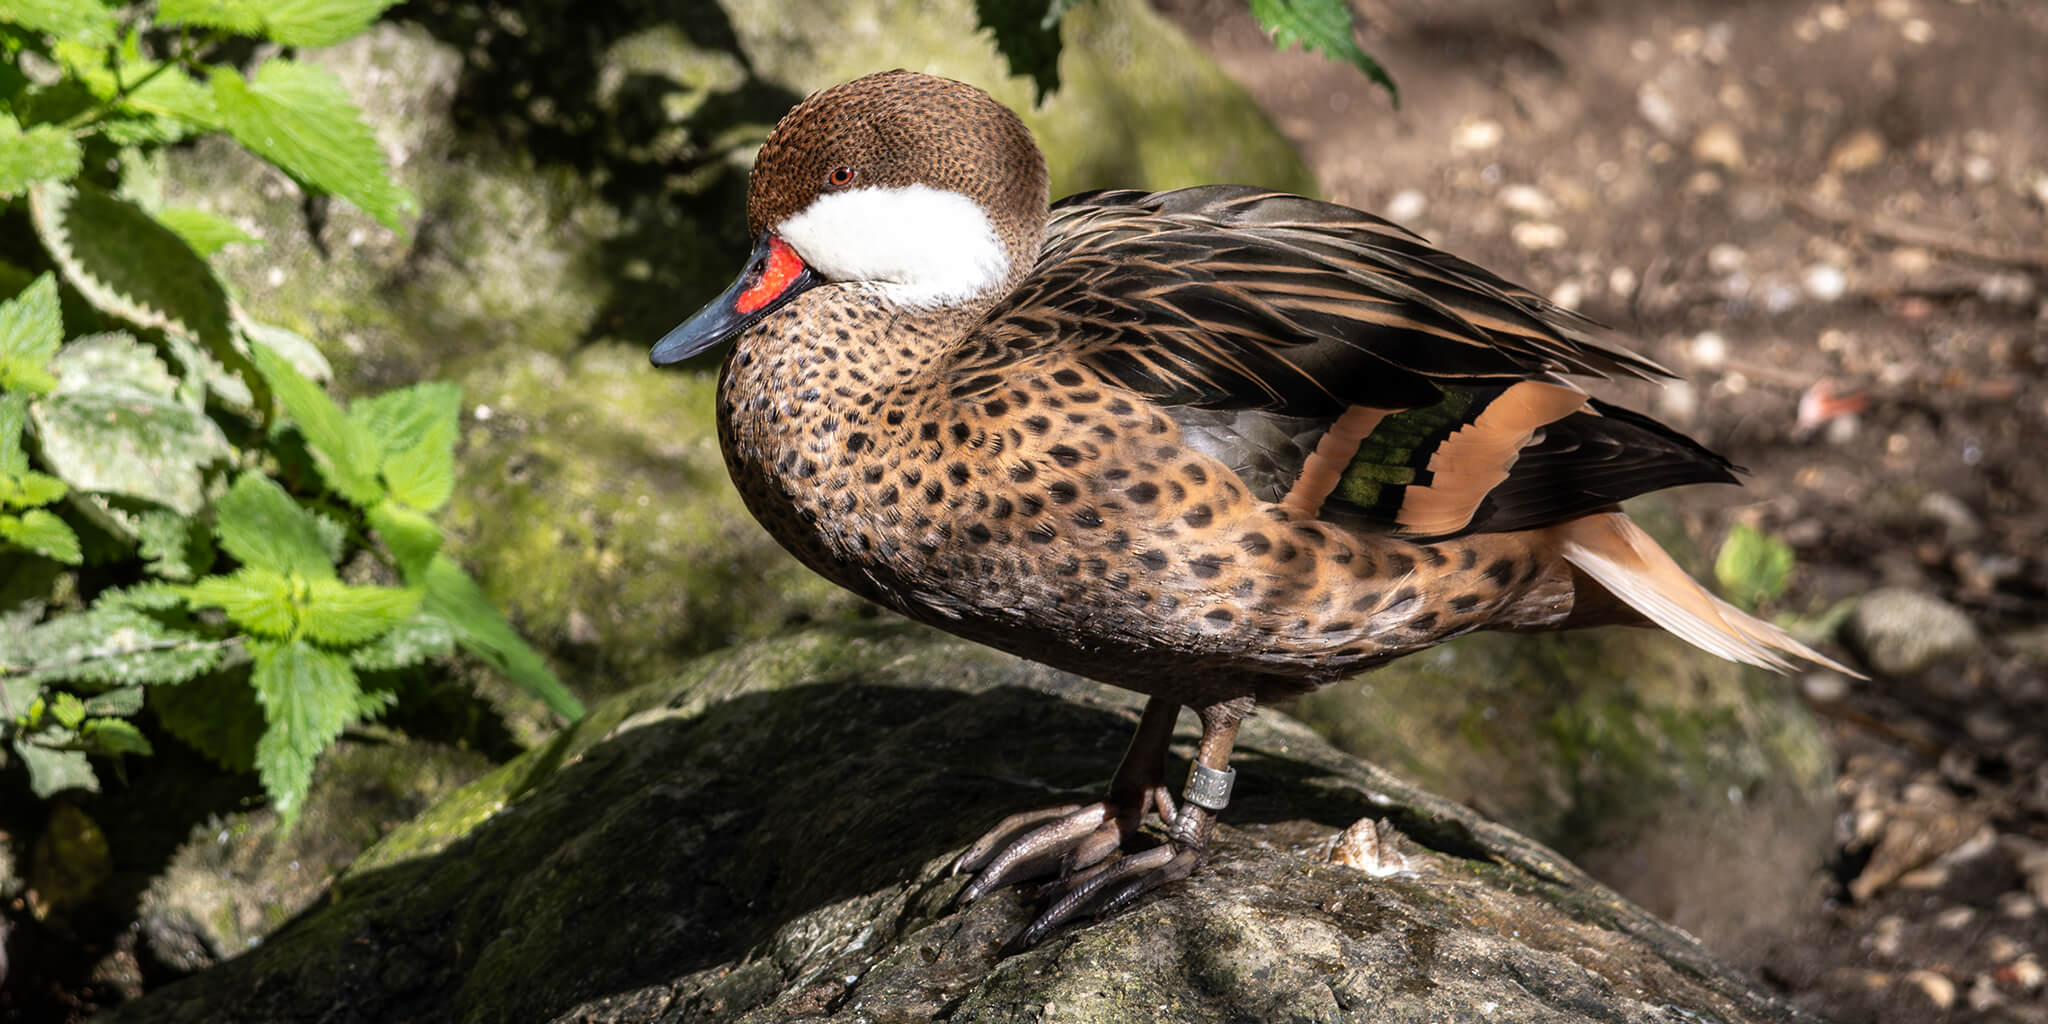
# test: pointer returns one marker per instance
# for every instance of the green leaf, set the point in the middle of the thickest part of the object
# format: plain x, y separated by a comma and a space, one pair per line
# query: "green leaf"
260, 525
1752, 567
53, 771
28, 488
399, 418
1321, 26
116, 425
216, 714
67, 709
85, 21
168, 105
291, 22
298, 117
347, 454
340, 615
31, 329
240, 18
412, 538
13, 459
207, 233
109, 644
263, 601
309, 696
172, 546
1027, 33
122, 701
416, 427
483, 631
301, 354
410, 642
127, 263
42, 153
44, 534
113, 736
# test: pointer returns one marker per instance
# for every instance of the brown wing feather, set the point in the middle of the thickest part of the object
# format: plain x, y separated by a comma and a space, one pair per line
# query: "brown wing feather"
1232, 297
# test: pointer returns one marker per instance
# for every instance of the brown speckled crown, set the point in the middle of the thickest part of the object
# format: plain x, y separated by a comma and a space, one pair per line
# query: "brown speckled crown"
901, 128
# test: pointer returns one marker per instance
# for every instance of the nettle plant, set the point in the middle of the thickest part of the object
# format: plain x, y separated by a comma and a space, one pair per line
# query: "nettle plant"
189, 524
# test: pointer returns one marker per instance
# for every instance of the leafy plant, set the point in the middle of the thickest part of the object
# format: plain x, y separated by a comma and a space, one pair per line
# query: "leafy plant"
189, 524
1027, 33
1753, 567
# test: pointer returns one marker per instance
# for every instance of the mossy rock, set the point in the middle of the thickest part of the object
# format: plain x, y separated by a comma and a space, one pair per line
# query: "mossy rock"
764, 837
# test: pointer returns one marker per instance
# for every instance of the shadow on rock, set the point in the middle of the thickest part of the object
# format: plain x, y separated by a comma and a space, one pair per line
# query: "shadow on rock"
764, 838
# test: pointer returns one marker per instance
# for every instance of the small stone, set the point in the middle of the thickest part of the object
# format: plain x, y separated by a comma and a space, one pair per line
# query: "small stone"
1719, 143
1918, 31
1931, 877
1406, 205
1723, 258
1657, 108
1368, 845
1622, 282
1957, 521
1536, 235
1904, 632
1887, 935
1859, 151
1910, 260
1979, 169
1824, 687
2002, 949
2006, 289
1475, 134
1984, 994
1955, 919
1679, 401
1709, 349
1935, 986
2017, 905
1988, 726
1824, 282
1528, 201
2026, 974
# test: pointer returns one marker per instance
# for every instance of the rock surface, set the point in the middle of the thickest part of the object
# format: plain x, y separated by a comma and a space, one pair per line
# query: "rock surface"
763, 838
1904, 632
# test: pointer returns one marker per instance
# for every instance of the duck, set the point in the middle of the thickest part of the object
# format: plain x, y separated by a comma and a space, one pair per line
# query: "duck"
1219, 445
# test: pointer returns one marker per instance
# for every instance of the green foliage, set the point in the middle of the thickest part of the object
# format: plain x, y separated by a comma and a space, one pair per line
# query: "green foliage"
235, 599
1321, 26
1027, 33
1753, 567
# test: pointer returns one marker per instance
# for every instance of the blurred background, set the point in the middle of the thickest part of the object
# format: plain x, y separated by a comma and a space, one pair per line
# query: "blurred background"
1831, 219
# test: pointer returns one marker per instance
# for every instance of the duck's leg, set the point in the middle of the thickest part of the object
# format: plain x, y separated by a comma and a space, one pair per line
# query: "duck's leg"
1114, 885
1074, 837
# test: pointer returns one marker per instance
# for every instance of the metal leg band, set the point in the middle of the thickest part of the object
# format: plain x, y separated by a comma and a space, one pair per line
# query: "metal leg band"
1208, 787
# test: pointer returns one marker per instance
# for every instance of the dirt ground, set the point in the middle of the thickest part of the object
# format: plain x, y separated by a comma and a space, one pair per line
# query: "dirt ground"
1832, 220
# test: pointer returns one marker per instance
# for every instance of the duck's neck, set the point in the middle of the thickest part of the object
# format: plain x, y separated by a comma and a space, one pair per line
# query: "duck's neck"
821, 409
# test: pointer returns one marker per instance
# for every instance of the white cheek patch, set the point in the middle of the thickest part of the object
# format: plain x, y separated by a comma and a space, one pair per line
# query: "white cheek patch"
923, 246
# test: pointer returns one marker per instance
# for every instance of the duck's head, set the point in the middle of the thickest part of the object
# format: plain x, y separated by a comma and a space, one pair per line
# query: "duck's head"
923, 190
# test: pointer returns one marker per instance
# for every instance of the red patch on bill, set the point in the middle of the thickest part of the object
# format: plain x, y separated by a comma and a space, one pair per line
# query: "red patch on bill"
777, 274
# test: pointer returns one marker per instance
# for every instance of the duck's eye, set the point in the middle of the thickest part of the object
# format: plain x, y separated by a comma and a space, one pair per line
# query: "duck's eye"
840, 177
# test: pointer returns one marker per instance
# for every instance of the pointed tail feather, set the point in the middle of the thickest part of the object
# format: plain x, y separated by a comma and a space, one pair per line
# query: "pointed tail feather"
1619, 556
